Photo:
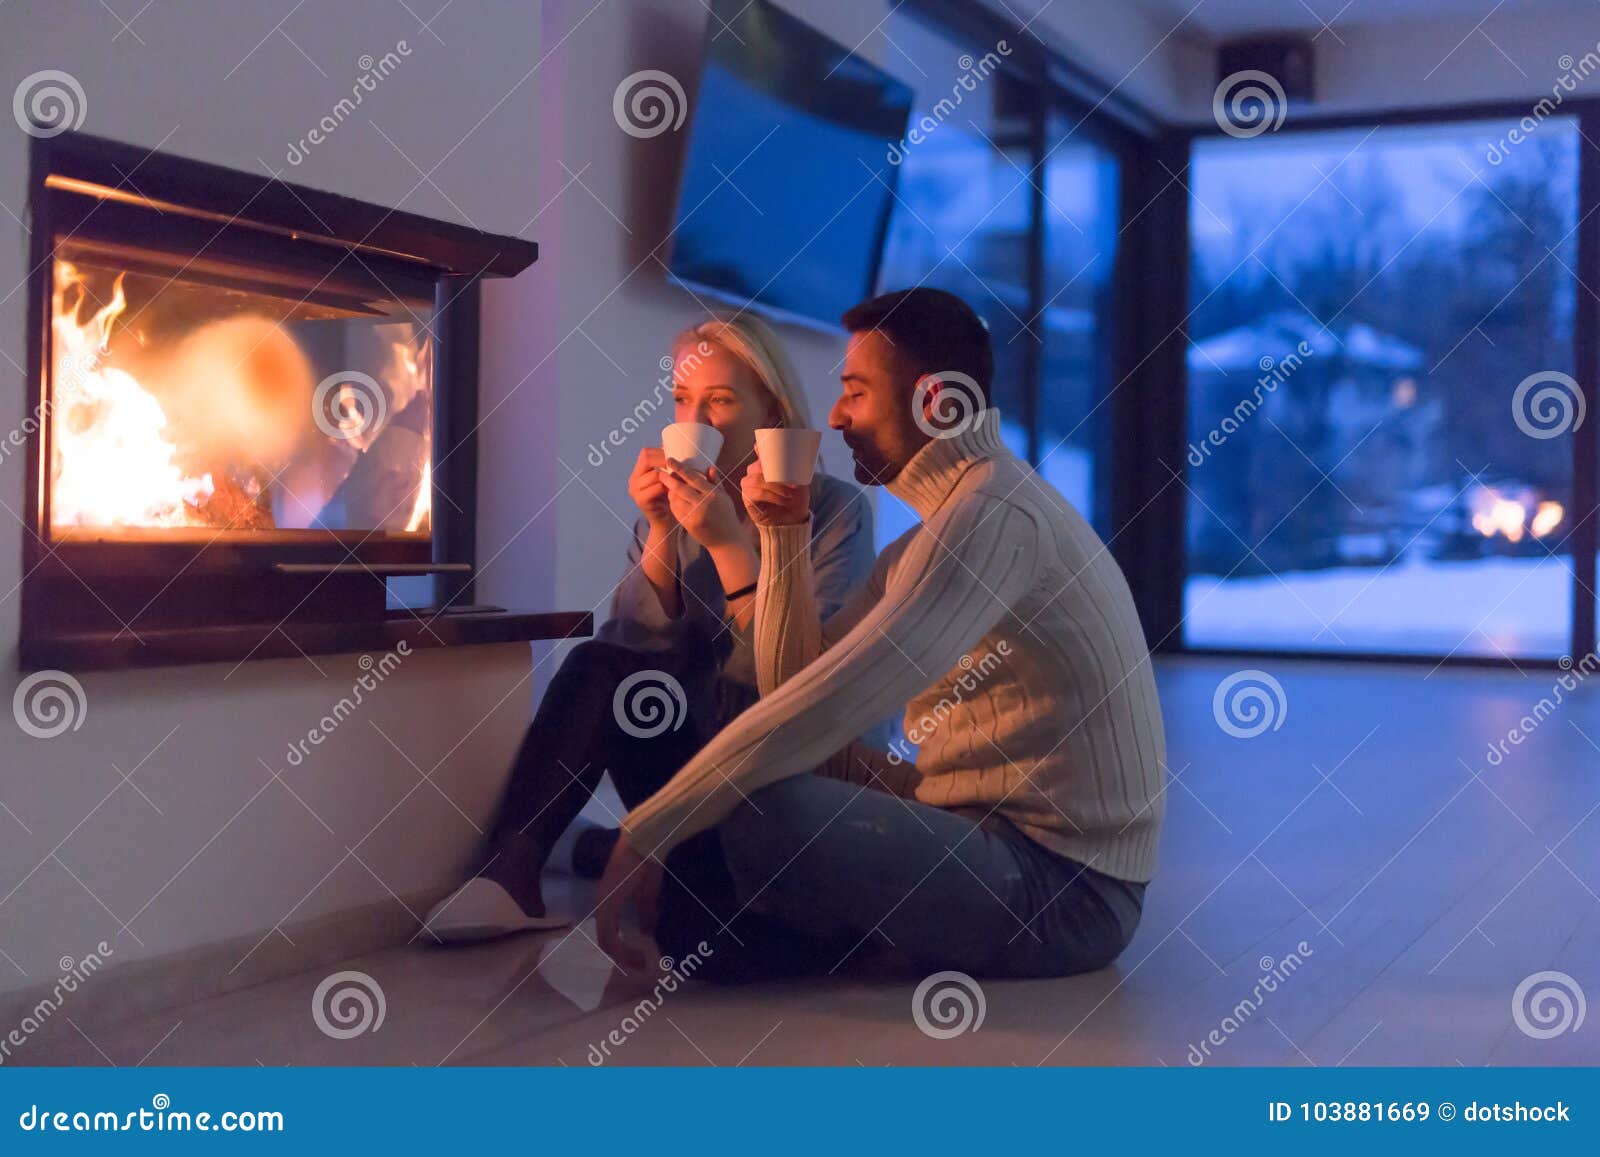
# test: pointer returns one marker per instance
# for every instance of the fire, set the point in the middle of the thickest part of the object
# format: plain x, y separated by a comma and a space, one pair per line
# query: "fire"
408, 374
411, 372
221, 433
423, 506
113, 463
1498, 515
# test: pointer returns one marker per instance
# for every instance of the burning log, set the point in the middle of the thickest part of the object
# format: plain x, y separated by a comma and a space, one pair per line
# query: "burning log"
230, 507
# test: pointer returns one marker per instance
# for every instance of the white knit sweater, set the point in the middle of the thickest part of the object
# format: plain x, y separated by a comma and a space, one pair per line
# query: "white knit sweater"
1008, 629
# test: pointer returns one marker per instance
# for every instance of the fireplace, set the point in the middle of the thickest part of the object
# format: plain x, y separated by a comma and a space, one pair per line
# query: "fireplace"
251, 405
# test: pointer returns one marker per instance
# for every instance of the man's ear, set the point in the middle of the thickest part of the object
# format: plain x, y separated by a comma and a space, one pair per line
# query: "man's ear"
947, 403
925, 395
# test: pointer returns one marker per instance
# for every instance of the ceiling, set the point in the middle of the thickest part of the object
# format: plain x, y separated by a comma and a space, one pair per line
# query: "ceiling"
1229, 18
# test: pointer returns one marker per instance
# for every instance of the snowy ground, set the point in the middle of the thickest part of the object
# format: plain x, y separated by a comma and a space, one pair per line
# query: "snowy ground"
1496, 607
1515, 607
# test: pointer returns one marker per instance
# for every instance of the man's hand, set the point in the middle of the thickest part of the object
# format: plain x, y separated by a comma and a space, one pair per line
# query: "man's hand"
628, 876
774, 503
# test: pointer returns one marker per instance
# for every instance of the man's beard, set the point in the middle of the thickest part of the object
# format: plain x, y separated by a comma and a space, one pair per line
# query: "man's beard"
870, 468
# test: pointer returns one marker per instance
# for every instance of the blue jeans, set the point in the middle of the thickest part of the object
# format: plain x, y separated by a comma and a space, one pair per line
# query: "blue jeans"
810, 870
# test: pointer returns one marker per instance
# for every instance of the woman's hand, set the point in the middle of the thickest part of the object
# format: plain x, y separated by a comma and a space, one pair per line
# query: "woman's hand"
628, 876
702, 506
774, 503
648, 491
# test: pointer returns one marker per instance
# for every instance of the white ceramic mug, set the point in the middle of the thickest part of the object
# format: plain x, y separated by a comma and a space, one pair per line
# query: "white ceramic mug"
692, 443
788, 455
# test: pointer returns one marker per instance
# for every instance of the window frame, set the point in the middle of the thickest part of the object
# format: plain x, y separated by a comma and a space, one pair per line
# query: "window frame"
1585, 536
1145, 428
1106, 119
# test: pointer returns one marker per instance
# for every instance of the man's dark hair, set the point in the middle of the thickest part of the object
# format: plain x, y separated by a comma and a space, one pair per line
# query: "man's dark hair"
935, 331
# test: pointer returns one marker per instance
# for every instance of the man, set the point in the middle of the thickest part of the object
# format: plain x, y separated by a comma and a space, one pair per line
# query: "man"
1021, 840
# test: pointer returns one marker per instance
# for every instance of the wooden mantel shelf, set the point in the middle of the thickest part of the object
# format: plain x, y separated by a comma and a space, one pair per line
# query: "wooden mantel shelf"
168, 646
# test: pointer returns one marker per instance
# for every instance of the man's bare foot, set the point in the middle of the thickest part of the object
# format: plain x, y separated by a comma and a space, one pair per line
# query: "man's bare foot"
516, 862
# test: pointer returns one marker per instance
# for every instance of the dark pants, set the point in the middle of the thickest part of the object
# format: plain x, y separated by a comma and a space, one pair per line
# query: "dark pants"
809, 870
578, 733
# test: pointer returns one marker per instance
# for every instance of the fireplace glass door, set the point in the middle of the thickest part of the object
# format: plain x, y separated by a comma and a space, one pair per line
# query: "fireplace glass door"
206, 399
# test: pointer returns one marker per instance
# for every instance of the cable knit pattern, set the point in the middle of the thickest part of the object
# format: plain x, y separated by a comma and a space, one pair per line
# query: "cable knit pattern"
1007, 629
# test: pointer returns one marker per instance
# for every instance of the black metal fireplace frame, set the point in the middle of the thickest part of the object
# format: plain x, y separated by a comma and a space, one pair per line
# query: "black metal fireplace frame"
208, 599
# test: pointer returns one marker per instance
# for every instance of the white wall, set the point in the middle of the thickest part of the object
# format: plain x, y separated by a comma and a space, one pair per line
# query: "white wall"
590, 329
1147, 59
1512, 53
207, 844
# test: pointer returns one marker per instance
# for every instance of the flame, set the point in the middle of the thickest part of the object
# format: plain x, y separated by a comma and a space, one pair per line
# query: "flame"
113, 463
1509, 518
408, 375
218, 417
423, 507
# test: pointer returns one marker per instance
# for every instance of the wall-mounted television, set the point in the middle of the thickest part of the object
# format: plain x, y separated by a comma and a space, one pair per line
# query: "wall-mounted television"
787, 183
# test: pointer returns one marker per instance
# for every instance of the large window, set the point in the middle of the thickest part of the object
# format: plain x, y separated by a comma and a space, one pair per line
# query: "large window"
1006, 199
1381, 397
1075, 321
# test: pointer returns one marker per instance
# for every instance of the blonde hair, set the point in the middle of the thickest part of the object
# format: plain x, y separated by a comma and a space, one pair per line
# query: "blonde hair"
754, 343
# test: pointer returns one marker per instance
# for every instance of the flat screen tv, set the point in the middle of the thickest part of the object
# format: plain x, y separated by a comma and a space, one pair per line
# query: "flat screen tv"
787, 184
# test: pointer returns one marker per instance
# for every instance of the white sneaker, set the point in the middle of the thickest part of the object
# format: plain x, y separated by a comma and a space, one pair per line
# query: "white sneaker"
482, 910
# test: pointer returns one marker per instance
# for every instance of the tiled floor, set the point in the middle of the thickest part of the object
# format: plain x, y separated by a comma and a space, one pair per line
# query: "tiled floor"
1426, 883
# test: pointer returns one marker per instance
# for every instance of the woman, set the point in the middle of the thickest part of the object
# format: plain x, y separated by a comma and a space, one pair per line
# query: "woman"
675, 661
